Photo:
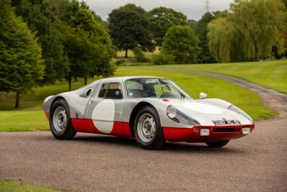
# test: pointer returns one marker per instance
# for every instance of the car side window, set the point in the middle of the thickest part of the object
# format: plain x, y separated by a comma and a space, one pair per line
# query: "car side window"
103, 90
114, 91
111, 91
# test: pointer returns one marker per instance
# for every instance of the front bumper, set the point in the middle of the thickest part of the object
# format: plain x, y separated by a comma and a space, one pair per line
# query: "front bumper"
216, 133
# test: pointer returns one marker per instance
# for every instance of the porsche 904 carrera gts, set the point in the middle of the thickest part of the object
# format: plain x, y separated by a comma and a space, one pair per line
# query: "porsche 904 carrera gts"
149, 109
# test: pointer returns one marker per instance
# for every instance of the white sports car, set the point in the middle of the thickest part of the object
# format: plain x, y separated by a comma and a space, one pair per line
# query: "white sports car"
151, 109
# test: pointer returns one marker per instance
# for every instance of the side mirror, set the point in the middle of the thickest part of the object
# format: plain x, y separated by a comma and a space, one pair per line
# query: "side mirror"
86, 93
202, 95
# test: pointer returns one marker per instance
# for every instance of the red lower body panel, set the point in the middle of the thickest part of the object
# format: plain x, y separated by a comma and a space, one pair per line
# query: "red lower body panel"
217, 133
121, 129
47, 115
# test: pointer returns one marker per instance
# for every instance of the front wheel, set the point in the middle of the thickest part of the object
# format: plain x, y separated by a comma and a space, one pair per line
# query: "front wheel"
147, 129
218, 144
60, 121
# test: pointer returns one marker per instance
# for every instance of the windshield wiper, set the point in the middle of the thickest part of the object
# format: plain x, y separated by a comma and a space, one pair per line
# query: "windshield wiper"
166, 84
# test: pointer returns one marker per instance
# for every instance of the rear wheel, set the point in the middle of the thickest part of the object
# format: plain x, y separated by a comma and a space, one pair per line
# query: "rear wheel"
218, 144
147, 129
60, 121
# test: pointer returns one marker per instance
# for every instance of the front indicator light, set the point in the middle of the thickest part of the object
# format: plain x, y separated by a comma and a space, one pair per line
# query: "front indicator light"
204, 132
245, 131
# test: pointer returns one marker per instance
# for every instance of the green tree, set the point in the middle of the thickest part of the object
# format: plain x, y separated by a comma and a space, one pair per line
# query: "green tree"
205, 56
201, 31
181, 42
222, 14
39, 16
129, 29
89, 51
72, 7
203, 22
249, 31
225, 42
85, 20
135, 8
161, 19
192, 23
20, 56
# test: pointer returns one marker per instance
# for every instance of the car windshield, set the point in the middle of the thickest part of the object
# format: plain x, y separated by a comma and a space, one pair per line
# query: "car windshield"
154, 88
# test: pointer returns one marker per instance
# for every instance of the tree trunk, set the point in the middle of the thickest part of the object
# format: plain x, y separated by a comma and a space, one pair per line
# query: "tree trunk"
17, 99
256, 58
70, 83
85, 80
126, 53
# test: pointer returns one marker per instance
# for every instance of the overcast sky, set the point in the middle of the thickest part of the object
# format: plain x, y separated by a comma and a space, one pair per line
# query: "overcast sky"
193, 9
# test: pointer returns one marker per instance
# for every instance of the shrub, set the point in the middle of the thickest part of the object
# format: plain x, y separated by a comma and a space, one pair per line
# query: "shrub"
121, 61
162, 59
139, 55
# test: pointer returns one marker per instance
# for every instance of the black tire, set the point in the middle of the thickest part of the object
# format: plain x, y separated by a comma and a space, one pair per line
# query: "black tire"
156, 140
218, 144
64, 130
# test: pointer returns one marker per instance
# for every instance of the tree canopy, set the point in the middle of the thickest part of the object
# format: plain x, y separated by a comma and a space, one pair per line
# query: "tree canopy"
129, 29
201, 31
135, 8
161, 19
21, 65
87, 45
249, 31
181, 42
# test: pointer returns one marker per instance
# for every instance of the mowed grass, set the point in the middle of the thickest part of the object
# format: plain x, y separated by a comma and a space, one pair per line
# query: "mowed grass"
13, 187
23, 121
131, 53
270, 74
30, 117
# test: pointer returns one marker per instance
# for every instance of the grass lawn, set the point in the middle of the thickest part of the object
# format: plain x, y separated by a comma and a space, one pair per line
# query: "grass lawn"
270, 74
122, 54
13, 186
31, 117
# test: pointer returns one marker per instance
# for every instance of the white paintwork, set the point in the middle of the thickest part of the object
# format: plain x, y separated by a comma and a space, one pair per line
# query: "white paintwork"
103, 116
202, 108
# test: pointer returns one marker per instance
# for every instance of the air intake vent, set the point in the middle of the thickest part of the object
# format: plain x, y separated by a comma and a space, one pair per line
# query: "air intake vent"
226, 130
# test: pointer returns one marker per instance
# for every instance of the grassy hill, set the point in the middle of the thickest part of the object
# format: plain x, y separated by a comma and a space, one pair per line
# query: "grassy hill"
270, 74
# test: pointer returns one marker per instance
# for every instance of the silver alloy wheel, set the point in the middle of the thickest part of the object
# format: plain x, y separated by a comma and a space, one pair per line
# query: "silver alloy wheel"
146, 127
60, 119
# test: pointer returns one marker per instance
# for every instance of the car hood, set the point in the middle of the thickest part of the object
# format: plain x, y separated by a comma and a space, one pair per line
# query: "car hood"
205, 111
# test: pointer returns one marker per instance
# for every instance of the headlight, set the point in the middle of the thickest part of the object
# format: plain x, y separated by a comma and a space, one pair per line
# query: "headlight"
180, 117
171, 111
239, 111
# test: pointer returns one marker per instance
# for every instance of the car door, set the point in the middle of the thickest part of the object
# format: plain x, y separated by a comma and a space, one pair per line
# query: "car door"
105, 108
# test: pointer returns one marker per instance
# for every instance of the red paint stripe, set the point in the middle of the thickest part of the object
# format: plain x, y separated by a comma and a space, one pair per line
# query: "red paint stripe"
47, 115
87, 125
127, 131
118, 129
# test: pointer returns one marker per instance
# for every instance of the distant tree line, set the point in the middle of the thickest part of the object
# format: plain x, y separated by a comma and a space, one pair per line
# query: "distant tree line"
44, 41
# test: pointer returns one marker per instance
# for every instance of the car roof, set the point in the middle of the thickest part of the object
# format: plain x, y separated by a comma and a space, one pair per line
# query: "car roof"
130, 77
